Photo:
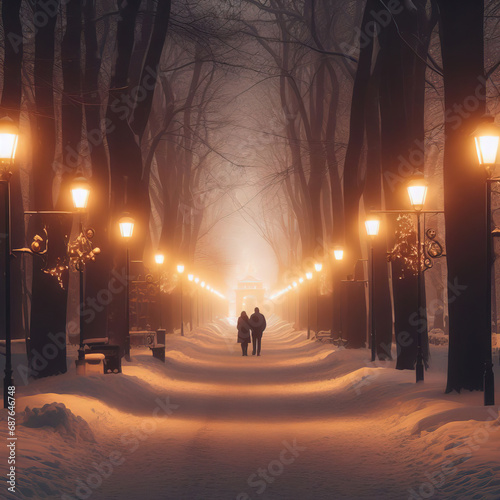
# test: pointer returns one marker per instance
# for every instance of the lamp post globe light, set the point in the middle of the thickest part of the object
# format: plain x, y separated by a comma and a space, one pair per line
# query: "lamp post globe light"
372, 225
126, 224
417, 192
486, 137
80, 193
9, 134
180, 270
159, 259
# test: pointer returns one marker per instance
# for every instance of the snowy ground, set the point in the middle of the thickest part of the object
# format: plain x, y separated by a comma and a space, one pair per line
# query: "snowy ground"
303, 421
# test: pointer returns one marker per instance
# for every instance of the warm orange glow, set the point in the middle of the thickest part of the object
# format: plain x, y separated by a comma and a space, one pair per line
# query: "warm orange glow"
126, 227
301, 280
80, 191
202, 284
295, 284
372, 225
197, 280
9, 134
417, 191
486, 137
190, 277
180, 268
486, 148
318, 266
309, 275
159, 258
338, 253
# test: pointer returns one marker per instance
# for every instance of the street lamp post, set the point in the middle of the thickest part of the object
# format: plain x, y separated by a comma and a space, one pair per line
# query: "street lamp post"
372, 226
338, 254
309, 276
126, 224
8, 144
180, 270
295, 299
318, 266
203, 301
417, 191
159, 259
197, 281
486, 137
190, 279
80, 192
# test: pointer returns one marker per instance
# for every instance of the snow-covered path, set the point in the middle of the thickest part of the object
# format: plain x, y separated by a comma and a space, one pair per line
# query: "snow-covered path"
302, 421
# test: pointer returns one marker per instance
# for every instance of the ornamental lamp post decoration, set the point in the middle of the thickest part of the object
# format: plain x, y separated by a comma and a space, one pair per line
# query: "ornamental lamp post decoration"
9, 134
417, 192
487, 137
372, 225
126, 224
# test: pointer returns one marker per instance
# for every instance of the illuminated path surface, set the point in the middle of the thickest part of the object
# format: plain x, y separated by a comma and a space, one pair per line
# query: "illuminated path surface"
303, 421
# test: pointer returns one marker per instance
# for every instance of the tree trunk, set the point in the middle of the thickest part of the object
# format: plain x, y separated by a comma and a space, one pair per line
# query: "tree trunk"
464, 194
10, 106
352, 166
47, 356
97, 274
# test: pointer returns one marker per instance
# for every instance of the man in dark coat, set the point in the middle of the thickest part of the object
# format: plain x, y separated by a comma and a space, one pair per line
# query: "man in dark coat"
257, 325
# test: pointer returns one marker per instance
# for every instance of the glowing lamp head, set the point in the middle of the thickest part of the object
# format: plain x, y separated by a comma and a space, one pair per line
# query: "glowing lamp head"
190, 277
202, 284
80, 191
372, 225
159, 258
180, 268
301, 280
417, 191
309, 275
9, 134
197, 280
338, 253
486, 137
318, 266
294, 284
126, 227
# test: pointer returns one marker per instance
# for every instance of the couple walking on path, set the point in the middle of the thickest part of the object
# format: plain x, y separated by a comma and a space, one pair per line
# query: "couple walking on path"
257, 324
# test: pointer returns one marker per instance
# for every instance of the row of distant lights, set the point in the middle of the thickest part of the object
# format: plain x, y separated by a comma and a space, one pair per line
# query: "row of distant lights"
160, 258
338, 253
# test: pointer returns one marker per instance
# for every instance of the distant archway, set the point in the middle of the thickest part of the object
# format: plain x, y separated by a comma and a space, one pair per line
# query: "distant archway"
249, 294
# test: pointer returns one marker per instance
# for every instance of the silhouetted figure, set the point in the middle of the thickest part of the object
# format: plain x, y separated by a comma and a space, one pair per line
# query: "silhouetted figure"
243, 333
258, 325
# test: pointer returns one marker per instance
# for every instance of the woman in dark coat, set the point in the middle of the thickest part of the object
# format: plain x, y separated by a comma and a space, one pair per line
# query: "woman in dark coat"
243, 333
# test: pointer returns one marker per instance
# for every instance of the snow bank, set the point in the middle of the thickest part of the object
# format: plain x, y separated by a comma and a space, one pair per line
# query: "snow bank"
306, 420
